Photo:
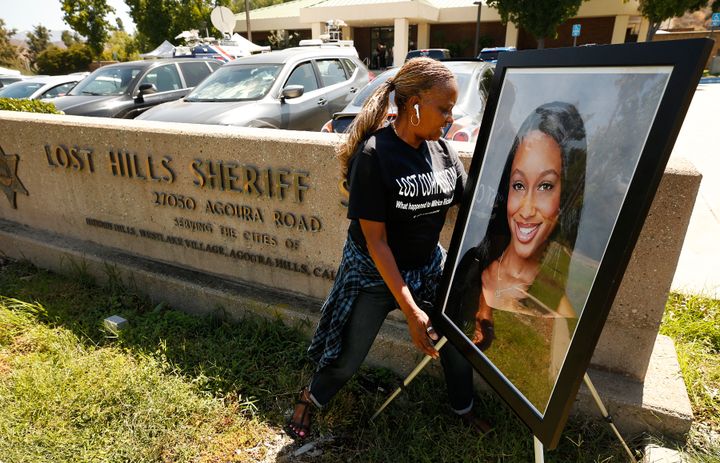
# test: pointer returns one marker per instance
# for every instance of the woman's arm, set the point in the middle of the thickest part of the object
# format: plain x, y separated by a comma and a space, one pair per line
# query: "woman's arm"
417, 320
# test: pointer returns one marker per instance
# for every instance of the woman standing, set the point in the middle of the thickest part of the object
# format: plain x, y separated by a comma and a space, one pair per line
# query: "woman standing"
403, 178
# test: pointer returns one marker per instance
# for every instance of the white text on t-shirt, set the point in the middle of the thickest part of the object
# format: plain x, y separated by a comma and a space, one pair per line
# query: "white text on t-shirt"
428, 184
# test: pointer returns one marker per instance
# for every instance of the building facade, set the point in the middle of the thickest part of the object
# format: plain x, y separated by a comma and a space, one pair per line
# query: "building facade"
384, 31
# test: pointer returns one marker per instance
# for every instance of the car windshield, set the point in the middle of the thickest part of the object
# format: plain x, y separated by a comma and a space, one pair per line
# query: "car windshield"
367, 90
20, 89
8, 80
466, 89
107, 81
237, 82
434, 54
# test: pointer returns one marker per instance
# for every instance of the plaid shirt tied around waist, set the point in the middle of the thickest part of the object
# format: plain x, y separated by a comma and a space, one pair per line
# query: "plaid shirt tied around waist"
357, 270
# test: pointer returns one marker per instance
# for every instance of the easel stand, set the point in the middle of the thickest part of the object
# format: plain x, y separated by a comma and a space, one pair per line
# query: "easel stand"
538, 446
539, 456
606, 416
410, 377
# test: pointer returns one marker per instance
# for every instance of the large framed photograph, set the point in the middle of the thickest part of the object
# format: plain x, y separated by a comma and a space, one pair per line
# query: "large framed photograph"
573, 145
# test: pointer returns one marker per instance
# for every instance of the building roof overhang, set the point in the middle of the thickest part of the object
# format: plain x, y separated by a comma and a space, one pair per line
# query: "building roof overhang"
301, 14
368, 12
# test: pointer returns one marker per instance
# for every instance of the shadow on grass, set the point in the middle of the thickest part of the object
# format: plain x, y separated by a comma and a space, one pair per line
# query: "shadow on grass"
264, 361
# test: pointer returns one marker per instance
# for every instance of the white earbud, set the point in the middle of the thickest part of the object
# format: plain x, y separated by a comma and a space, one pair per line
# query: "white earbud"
417, 110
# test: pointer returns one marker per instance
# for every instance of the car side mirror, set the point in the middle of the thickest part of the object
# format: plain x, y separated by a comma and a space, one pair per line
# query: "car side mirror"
145, 89
292, 91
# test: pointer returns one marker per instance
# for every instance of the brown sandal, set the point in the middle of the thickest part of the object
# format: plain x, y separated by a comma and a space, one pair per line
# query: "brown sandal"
298, 427
471, 420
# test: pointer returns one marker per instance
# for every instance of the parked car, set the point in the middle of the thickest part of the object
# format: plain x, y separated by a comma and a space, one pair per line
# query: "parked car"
41, 87
125, 90
295, 88
473, 78
491, 54
434, 53
10, 79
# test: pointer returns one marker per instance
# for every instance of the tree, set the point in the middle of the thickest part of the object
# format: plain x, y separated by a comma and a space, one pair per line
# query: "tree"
121, 46
70, 38
539, 17
657, 11
76, 58
89, 18
238, 6
8, 52
159, 20
38, 40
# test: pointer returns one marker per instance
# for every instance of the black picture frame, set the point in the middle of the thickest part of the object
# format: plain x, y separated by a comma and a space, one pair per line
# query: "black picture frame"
680, 63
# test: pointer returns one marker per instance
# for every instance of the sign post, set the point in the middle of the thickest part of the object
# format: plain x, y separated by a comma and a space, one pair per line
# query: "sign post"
575, 33
714, 22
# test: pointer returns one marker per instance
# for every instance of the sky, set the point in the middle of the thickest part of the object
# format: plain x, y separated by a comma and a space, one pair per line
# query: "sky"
24, 14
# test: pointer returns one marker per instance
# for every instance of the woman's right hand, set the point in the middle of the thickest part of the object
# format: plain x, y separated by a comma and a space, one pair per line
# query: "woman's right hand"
418, 322
418, 325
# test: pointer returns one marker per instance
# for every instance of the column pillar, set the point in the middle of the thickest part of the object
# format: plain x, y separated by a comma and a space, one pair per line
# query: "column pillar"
511, 35
620, 28
644, 28
347, 33
400, 45
423, 36
317, 30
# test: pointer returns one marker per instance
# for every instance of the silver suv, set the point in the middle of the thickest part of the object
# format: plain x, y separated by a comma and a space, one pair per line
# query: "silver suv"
295, 88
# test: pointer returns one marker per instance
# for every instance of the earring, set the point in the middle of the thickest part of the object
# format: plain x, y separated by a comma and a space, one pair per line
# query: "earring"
417, 114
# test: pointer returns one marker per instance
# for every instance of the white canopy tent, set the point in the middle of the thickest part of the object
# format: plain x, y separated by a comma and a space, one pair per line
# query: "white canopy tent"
245, 44
164, 50
235, 47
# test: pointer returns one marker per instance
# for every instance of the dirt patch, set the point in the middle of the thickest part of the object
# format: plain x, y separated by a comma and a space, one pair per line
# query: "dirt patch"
22, 344
4, 366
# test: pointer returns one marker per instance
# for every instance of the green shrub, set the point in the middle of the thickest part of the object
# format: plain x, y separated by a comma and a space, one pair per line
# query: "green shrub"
55, 61
30, 106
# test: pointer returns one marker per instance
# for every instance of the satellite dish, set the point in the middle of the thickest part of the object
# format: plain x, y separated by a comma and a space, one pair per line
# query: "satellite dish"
223, 19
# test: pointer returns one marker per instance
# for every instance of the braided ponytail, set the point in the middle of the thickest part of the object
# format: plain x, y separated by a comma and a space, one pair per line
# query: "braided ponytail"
415, 76
371, 118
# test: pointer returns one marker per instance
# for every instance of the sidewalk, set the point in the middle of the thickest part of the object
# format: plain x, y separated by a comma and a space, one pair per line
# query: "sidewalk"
698, 270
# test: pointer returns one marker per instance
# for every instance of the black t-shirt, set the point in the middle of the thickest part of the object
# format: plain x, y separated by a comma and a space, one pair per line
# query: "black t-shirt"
408, 189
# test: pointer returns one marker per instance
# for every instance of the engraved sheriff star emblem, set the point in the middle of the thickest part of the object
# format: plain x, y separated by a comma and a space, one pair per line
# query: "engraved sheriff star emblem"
10, 184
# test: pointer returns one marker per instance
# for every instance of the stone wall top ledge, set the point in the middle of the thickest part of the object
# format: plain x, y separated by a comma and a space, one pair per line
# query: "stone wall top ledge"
676, 165
212, 131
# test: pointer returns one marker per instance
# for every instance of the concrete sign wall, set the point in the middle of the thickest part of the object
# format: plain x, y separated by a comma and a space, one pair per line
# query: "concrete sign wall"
257, 206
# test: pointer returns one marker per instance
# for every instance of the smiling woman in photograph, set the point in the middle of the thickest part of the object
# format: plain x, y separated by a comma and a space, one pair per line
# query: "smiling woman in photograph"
541, 193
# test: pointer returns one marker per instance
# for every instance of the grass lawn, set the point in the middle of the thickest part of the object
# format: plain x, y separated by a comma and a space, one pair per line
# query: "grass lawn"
179, 388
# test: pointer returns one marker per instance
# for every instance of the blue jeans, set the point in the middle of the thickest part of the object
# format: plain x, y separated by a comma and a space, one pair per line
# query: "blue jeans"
369, 311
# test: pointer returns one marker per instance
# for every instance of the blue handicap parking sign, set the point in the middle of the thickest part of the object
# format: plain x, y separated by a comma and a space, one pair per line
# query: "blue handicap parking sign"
715, 21
576, 30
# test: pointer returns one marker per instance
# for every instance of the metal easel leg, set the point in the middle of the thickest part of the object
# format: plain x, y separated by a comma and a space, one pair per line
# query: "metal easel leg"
607, 416
411, 376
539, 455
